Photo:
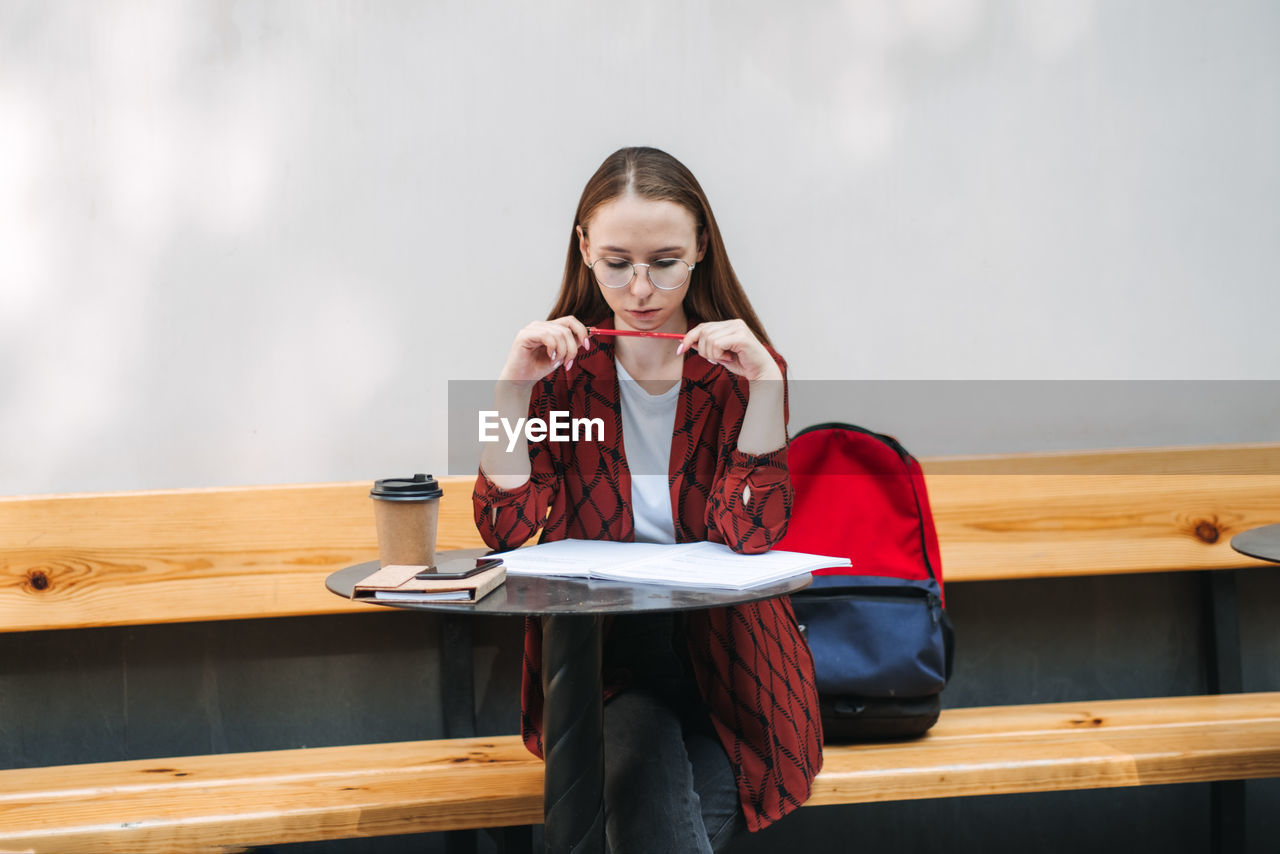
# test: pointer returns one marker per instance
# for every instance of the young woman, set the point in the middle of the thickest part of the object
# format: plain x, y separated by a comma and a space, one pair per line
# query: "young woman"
711, 717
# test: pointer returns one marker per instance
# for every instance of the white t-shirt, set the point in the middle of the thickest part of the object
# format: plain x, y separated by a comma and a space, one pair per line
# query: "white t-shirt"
648, 421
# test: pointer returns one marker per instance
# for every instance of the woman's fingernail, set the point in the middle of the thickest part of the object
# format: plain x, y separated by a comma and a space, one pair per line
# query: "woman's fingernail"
679, 348
568, 365
553, 354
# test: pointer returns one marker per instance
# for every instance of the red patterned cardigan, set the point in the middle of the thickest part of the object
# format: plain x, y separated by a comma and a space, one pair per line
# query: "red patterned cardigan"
752, 666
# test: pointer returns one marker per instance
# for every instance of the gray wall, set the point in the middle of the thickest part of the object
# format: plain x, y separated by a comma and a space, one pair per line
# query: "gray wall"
251, 242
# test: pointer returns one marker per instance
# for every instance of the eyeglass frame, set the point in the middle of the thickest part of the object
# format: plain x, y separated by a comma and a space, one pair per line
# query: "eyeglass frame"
635, 272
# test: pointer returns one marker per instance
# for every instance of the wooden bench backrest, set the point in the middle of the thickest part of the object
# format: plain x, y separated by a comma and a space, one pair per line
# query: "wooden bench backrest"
208, 554
1099, 513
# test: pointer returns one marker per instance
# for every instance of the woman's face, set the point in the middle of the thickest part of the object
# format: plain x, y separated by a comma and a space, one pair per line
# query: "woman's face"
643, 231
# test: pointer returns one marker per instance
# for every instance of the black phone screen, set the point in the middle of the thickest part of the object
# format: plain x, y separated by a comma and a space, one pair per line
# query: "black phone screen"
460, 567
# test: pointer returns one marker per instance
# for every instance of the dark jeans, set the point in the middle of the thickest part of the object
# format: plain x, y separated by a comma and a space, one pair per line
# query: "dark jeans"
668, 785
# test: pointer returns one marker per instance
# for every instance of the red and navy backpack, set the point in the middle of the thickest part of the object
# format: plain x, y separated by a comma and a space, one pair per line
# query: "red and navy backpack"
881, 639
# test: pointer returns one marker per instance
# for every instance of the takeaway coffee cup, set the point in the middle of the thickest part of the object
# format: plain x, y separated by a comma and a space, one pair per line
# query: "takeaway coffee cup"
407, 510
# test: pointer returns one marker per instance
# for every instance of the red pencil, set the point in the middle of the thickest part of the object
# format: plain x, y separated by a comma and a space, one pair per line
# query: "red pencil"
595, 330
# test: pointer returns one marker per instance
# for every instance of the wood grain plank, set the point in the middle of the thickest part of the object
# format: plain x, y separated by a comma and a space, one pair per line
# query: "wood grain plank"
210, 771
1108, 714
1255, 458
203, 802
1100, 512
1057, 746
1035, 526
182, 555
989, 765
208, 802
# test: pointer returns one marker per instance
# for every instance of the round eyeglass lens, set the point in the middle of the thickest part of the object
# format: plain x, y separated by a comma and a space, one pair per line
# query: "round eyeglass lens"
668, 273
613, 272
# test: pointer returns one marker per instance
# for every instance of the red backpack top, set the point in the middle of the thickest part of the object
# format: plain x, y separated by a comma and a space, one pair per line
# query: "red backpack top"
861, 495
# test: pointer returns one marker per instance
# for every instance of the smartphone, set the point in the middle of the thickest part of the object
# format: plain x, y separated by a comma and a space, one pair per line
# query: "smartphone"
460, 567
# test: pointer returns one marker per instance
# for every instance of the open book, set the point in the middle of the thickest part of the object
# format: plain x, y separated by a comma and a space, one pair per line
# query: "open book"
703, 564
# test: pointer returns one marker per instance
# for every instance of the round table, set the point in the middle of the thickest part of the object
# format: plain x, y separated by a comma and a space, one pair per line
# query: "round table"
1262, 543
572, 612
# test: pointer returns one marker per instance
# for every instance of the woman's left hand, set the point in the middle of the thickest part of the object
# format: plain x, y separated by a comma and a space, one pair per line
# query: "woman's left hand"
731, 344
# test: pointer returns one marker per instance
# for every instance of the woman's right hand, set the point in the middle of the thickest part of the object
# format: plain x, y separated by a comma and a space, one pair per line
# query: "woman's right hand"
542, 346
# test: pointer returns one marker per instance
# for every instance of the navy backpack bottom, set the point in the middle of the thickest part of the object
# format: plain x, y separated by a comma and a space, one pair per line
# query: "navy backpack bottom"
847, 719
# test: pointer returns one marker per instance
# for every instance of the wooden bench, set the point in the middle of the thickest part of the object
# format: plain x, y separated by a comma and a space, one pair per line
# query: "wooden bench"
369, 790
85, 561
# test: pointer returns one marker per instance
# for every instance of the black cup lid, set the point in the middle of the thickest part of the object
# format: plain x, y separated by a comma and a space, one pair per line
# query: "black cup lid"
420, 487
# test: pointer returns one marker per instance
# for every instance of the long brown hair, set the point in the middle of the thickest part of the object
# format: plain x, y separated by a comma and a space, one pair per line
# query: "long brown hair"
714, 292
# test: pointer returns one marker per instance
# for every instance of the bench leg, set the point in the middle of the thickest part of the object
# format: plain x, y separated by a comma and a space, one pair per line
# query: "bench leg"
457, 676
1226, 817
1224, 675
514, 840
1222, 633
458, 701
572, 734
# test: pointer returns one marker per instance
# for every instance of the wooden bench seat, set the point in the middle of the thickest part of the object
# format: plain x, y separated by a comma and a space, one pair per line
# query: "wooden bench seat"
1062, 746
204, 802
211, 802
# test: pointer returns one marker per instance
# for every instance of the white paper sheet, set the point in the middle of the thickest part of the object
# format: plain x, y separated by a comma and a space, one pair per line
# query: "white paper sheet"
702, 564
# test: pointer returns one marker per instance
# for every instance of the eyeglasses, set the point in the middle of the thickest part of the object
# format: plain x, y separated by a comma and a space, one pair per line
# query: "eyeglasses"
666, 274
